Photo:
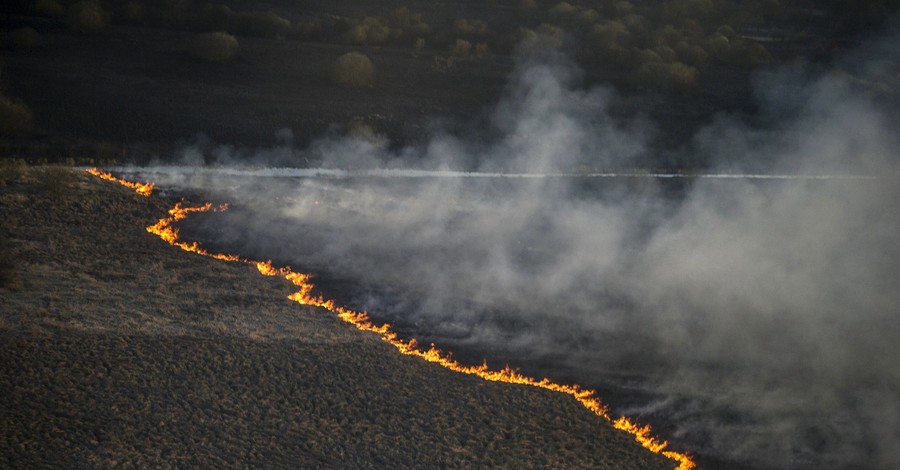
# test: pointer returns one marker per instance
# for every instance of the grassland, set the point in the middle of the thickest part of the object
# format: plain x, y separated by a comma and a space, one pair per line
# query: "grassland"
119, 350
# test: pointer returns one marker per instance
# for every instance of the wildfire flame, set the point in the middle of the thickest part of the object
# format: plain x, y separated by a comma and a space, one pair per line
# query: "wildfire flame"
144, 189
166, 230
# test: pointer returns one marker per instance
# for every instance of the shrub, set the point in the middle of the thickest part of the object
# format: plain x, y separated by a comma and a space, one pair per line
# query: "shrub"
369, 30
460, 48
12, 169
750, 55
665, 76
470, 28
263, 24
16, 119
561, 10
608, 36
410, 24
308, 29
51, 8
215, 47
481, 50
666, 53
718, 45
354, 69
87, 16
691, 54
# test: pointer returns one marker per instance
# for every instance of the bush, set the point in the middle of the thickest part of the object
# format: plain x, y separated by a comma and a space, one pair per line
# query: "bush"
12, 169
354, 69
718, 45
470, 28
481, 50
750, 55
691, 54
16, 119
307, 29
408, 23
369, 30
673, 76
215, 47
461, 48
262, 24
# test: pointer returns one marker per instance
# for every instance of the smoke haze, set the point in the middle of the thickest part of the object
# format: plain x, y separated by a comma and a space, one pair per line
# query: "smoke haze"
757, 317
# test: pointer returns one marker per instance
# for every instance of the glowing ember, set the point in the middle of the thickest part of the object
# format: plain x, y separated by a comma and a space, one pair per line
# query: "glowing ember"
144, 189
165, 229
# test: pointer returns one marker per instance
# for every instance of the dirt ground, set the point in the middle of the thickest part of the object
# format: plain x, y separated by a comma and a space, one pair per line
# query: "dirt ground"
118, 349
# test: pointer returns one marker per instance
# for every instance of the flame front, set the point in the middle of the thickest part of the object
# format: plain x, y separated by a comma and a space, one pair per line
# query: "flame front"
166, 230
144, 189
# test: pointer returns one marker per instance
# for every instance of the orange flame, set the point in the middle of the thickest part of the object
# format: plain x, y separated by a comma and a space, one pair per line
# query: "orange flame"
165, 229
144, 189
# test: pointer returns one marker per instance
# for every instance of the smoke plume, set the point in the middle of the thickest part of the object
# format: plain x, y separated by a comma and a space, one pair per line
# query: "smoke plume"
758, 317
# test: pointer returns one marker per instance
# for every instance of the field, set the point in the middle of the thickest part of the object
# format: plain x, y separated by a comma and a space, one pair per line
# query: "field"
676, 202
121, 350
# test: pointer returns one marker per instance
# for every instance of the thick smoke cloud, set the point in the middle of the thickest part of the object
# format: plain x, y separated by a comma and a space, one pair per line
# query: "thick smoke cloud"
759, 316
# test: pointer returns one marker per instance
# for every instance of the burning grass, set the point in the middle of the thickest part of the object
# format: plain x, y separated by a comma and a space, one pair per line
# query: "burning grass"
118, 350
166, 230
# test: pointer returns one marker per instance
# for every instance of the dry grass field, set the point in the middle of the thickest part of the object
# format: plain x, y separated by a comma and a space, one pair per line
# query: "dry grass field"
120, 350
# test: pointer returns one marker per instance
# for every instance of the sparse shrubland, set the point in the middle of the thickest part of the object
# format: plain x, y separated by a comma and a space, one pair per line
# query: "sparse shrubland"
677, 38
354, 69
215, 47
400, 27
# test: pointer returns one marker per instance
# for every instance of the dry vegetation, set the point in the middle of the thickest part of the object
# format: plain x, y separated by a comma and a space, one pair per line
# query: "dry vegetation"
215, 47
354, 69
119, 350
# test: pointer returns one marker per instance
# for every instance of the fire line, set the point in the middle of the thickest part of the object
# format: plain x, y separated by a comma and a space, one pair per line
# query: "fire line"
166, 230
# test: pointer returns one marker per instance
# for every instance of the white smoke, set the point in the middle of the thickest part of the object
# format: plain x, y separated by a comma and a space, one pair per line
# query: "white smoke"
759, 310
